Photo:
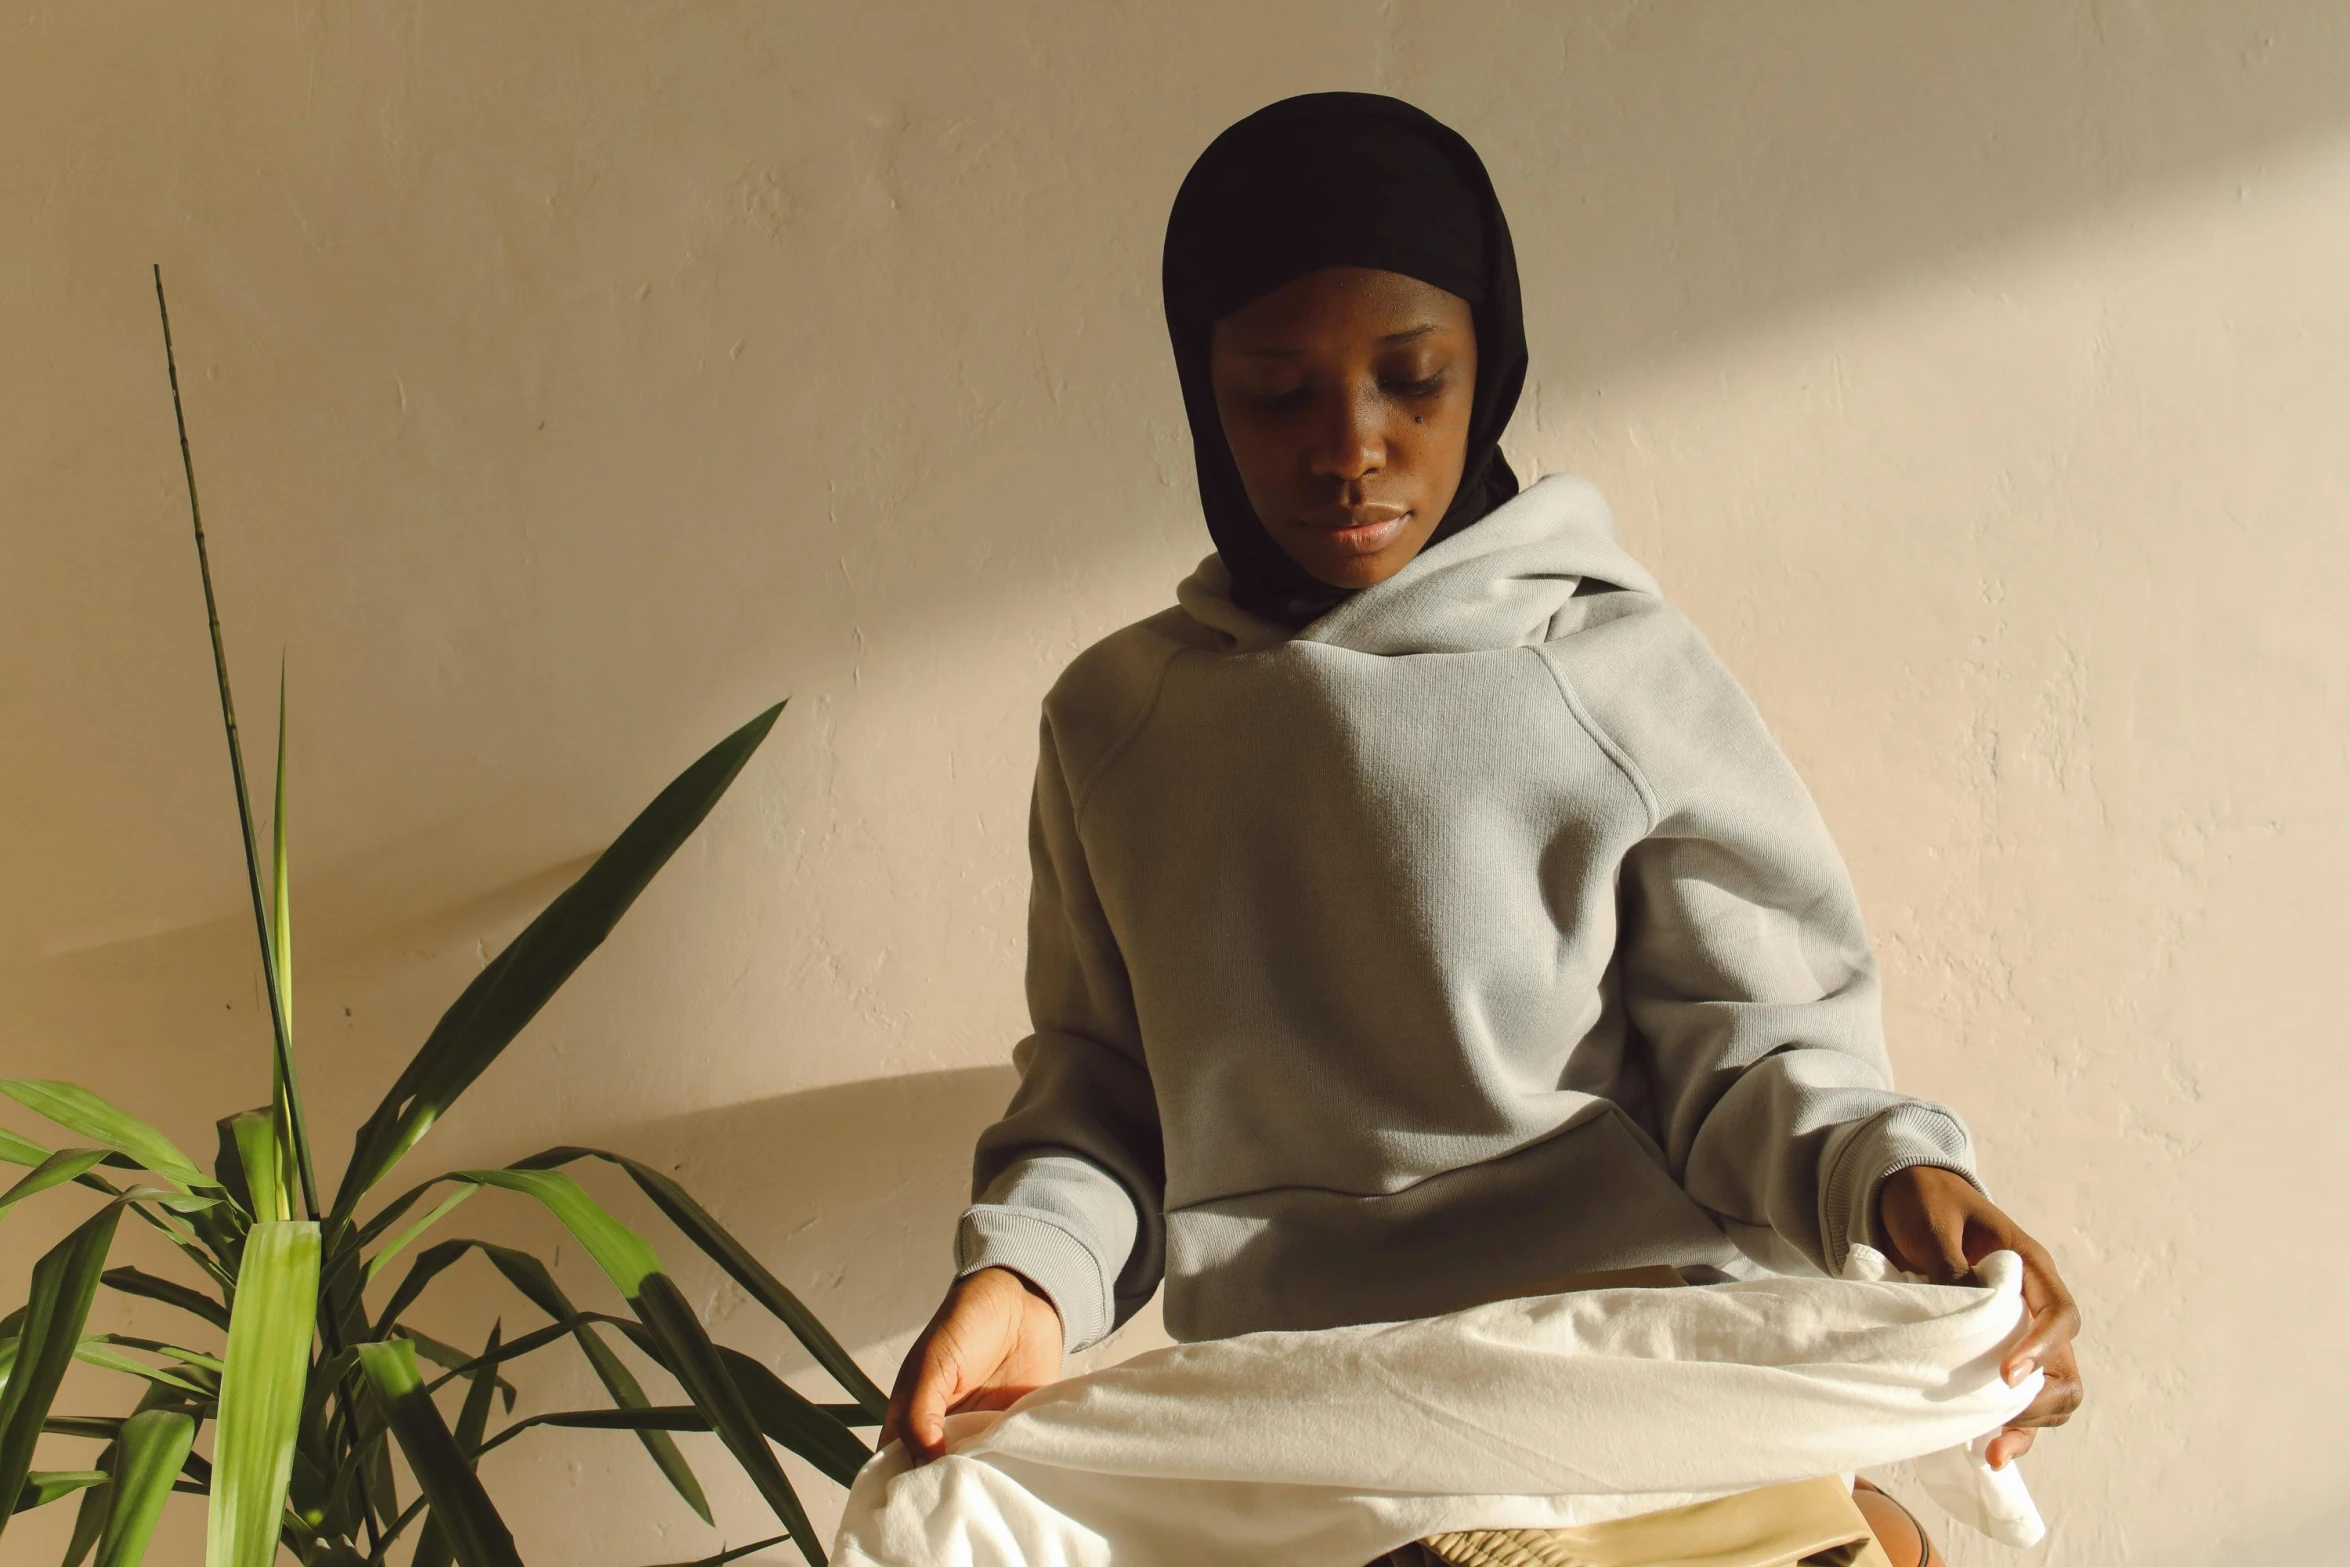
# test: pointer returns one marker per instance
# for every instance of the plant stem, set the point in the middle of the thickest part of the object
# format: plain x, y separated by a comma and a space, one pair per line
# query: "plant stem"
282, 1034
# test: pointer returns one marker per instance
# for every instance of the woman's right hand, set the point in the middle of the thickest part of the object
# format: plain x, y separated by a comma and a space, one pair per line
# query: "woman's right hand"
993, 1340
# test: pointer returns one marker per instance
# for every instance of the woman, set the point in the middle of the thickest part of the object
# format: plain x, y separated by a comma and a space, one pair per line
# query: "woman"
1422, 915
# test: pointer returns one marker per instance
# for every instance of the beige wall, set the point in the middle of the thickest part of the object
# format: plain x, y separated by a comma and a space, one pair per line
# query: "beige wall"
568, 381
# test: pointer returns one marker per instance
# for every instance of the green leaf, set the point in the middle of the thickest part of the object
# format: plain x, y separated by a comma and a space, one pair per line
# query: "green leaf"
43, 1486
256, 1134
617, 1249
433, 1547
788, 1418
186, 1357
133, 1281
64, 1282
626, 1260
428, 1265
281, 903
459, 1505
261, 1396
86, 1115
228, 1163
737, 1554
659, 1446
686, 1347
450, 1358
89, 1520
530, 1276
509, 992
67, 1164
722, 1248
399, 1243
695, 1361
153, 1447
20, 1150
94, 1351
285, 1100
658, 1417
474, 1418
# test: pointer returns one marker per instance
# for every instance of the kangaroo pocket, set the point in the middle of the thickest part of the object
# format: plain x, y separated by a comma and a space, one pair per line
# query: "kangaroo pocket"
1589, 1198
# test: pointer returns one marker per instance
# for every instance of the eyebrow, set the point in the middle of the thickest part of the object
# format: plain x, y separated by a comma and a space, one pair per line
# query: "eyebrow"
1406, 335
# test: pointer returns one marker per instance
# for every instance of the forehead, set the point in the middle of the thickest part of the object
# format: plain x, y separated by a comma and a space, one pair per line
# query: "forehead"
1344, 304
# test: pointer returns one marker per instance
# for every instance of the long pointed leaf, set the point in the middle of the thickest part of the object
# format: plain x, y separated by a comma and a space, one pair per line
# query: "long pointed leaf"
399, 1243
433, 1548
86, 1115
530, 1276
261, 1396
659, 1446
134, 1281
20, 1150
281, 911
43, 1486
64, 1282
293, 1140
792, 1420
281, 1038
735, 1555
153, 1447
695, 1361
527, 1274
259, 1157
617, 1249
93, 1352
659, 1417
89, 1520
459, 1504
450, 1358
706, 1232
228, 1164
687, 1351
67, 1164
508, 993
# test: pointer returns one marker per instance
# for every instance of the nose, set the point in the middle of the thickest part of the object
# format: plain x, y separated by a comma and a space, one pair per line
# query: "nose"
1347, 443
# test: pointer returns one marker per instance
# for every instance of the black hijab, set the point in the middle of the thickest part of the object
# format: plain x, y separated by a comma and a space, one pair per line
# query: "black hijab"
1328, 180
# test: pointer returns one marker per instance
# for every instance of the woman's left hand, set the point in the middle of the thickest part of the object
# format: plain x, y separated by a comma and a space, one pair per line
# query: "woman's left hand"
1939, 1227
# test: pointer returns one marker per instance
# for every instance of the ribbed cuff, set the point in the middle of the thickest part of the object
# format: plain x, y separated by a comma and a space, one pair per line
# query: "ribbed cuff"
1047, 1254
1914, 1133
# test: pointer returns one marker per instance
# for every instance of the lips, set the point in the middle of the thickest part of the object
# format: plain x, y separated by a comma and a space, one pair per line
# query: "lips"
1364, 529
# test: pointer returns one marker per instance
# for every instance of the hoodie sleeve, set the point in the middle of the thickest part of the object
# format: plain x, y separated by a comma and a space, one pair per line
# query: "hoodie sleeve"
1067, 1186
1744, 966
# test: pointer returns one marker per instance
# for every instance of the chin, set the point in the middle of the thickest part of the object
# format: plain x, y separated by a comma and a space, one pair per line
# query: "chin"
1353, 571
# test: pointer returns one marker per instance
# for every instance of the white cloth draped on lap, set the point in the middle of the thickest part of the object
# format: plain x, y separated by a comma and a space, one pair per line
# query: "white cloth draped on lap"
1332, 1447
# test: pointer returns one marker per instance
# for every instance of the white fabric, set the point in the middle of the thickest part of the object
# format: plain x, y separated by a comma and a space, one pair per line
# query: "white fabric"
1331, 1447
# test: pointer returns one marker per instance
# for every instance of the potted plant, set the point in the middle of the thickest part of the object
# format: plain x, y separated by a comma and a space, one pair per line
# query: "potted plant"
305, 1388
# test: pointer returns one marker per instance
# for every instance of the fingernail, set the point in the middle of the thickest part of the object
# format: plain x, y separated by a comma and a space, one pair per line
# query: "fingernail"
2020, 1370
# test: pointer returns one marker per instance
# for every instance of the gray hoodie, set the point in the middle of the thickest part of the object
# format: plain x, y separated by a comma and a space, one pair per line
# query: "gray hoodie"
1474, 936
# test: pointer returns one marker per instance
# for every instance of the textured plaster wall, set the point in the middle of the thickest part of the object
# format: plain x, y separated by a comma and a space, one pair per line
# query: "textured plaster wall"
569, 381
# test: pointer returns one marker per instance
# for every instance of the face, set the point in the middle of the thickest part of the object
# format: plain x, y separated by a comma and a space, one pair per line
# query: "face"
1345, 399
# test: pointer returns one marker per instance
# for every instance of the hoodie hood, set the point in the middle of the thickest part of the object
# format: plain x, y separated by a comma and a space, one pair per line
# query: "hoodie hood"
1497, 585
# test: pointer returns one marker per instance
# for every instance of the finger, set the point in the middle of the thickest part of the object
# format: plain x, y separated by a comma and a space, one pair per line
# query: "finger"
2055, 1323
2008, 1446
936, 1388
1950, 1259
901, 1393
993, 1398
2058, 1398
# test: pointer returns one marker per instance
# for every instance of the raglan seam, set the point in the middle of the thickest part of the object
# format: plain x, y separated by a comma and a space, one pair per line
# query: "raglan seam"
1607, 743
1082, 794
